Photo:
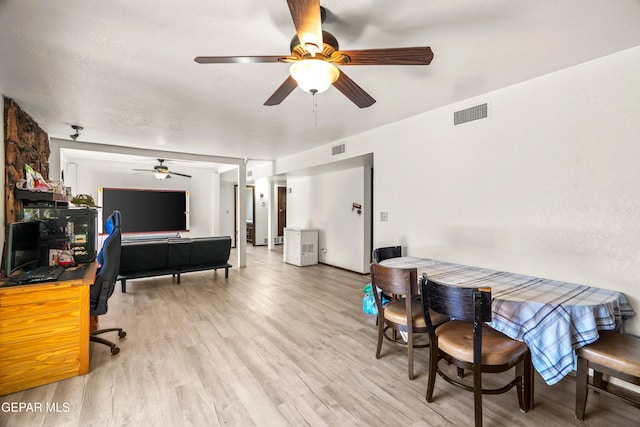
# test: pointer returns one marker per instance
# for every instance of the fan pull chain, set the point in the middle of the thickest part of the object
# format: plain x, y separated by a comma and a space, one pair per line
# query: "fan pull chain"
315, 109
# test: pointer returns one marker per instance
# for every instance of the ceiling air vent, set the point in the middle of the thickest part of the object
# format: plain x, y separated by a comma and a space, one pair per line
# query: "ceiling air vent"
338, 149
470, 114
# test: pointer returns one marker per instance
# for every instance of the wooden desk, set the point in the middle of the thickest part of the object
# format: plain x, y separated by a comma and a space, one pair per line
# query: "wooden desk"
44, 331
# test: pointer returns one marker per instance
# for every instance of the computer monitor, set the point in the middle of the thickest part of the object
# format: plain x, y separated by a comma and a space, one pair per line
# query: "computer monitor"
24, 245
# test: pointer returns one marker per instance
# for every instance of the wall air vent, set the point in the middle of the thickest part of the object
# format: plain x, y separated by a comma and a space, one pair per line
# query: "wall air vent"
338, 149
249, 173
470, 114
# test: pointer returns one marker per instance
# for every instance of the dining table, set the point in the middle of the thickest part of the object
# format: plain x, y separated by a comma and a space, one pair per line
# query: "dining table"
552, 317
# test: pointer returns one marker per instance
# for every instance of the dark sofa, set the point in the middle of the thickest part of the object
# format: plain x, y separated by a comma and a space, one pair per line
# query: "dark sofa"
147, 258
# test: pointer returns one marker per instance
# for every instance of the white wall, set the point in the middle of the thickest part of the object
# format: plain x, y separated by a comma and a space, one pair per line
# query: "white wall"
203, 208
227, 222
259, 172
325, 202
547, 186
261, 212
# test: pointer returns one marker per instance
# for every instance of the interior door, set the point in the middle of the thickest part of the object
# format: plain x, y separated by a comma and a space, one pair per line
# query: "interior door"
282, 210
251, 206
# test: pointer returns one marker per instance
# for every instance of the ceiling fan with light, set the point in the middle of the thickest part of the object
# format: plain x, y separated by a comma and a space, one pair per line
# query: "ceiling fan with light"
162, 172
315, 56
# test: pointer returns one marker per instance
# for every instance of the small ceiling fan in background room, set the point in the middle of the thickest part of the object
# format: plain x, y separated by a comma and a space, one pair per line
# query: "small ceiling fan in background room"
315, 57
161, 171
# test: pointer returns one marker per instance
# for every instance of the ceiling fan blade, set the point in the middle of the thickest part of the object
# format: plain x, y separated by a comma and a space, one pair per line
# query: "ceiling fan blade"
237, 59
306, 18
179, 174
351, 90
391, 56
143, 170
282, 92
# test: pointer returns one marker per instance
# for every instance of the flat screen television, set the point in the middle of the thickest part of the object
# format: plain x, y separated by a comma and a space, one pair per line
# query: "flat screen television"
24, 249
147, 211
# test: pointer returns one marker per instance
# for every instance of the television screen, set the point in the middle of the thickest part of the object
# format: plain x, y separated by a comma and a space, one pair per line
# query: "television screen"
147, 211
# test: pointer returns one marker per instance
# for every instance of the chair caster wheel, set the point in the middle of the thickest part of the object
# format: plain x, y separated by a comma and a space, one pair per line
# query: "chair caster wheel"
122, 334
115, 350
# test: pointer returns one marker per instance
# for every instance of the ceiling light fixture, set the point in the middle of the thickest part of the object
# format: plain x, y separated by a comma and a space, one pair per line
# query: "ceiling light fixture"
161, 175
314, 75
77, 129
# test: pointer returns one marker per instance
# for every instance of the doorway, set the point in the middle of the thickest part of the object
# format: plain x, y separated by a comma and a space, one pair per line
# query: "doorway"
282, 210
250, 201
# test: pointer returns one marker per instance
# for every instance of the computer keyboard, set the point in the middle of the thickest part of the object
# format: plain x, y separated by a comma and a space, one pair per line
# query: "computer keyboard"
40, 274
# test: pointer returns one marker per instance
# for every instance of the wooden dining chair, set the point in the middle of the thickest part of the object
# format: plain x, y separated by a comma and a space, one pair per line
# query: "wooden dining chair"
469, 344
402, 314
386, 252
380, 254
613, 354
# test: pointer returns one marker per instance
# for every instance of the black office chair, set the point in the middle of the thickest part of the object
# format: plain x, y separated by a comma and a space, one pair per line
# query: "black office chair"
109, 260
380, 254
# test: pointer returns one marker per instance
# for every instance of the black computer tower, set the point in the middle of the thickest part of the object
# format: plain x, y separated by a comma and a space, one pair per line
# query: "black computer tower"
68, 229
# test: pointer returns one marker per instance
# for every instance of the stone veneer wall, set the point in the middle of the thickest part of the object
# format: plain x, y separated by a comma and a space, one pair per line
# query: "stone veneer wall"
24, 143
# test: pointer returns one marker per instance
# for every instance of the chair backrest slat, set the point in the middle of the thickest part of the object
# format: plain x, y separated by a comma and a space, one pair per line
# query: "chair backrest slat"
393, 280
380, 254
457, 302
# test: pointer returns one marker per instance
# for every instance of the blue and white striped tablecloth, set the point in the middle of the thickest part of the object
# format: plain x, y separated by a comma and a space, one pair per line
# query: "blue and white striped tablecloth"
553, 318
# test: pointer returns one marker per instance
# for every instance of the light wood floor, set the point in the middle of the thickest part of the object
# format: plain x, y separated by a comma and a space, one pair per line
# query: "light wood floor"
274, 345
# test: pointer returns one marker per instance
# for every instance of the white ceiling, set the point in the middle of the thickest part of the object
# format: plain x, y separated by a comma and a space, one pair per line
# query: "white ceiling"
124, 69
125, 163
